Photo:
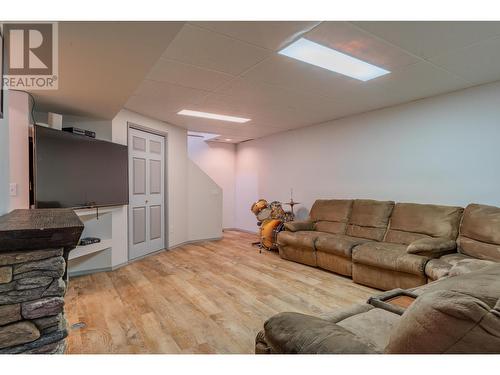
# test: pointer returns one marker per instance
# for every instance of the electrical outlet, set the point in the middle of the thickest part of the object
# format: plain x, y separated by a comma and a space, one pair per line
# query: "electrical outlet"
13, 190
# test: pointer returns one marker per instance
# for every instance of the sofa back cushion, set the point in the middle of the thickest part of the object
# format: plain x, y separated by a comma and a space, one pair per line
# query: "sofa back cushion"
480, 232
369, 219
331, 215
447, 321
413, 221
459, 314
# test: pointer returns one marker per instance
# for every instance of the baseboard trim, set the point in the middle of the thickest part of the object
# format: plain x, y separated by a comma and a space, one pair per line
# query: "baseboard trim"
89, 272
193, 242
241, 230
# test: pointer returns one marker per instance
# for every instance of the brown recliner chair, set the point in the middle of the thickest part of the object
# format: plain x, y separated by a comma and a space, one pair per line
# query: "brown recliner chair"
458, 314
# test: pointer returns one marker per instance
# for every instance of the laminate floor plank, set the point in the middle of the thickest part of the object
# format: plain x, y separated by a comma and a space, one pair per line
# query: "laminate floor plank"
207, 297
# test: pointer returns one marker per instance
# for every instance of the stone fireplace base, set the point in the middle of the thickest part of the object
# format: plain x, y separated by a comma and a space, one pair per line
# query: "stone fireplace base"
32, 290
31, 302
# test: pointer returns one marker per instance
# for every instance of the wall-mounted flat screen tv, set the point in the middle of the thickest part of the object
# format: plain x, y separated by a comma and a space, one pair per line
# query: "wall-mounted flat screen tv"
74, 171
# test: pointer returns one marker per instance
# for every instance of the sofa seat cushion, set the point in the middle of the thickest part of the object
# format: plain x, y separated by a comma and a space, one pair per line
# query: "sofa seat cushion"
294, 333
302, 239
373, 326
338, 244
436, 269
389, 256
453, 265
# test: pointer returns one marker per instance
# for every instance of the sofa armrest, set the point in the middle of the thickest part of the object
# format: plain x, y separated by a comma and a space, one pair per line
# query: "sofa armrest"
294, 333
431, 247
295, 226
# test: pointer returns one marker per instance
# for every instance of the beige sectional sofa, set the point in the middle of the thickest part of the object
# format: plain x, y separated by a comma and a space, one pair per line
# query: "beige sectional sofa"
446, 257
389, 245
459, 314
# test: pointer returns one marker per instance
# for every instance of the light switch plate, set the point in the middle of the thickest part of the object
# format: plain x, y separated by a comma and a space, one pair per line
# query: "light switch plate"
13, 190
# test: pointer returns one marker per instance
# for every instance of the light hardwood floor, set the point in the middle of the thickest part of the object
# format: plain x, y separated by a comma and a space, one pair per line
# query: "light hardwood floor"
209, 297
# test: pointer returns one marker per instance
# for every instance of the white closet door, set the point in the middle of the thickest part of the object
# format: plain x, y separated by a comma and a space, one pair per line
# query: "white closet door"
147, 191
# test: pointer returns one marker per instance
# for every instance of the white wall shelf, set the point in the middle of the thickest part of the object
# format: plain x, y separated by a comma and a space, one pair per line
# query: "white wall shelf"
80, 251
98, 256
92, 211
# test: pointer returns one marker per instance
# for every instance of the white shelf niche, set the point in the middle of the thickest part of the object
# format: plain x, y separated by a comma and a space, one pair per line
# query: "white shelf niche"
81, 251
96, 225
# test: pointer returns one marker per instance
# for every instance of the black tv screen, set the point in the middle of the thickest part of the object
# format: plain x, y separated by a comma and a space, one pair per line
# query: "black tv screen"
73, 170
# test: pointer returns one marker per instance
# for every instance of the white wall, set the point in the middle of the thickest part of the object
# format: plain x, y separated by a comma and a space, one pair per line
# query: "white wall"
204, 205
14, 148
4, 157
442, 150
19, 121
217, 160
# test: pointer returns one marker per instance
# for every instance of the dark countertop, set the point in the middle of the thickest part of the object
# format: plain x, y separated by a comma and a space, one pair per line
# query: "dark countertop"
39, 229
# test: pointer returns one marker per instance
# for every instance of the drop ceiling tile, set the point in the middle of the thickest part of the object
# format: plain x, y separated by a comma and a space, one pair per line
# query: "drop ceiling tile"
187, 75
421, 80
147, 106
478, 63
264, 94
257, 112
349, 39
168, 97
429, 39
271, 35
289, 73
247, 130
409, 83
209, 50
256, 131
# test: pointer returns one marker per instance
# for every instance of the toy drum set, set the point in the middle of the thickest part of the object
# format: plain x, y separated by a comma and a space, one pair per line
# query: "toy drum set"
271, 218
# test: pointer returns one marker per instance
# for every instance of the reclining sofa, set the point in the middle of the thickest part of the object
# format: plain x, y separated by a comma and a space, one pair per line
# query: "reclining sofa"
447, 258
389, 245
456, 314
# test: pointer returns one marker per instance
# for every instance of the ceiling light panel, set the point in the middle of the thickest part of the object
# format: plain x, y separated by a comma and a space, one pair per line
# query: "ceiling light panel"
333, 60
213, 116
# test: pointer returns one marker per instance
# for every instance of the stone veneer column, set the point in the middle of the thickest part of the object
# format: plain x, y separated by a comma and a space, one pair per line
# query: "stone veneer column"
32, 285
31, 302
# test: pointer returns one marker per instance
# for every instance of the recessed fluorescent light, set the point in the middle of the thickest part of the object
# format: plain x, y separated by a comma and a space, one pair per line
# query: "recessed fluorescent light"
205, 136
327, 58
213, 116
